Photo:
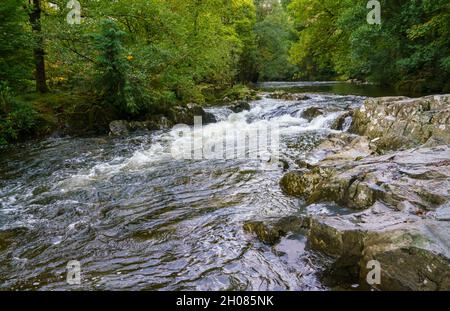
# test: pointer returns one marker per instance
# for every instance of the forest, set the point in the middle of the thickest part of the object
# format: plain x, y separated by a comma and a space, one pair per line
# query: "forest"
104, 60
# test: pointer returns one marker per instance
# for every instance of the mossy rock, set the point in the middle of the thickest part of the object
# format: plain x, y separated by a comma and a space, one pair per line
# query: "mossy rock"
239, 106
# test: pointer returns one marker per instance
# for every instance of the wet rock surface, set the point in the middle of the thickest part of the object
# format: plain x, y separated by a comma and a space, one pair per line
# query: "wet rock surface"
186, 114
271, 232
123, 127
343, 122
118, 127
413, 252
395, 176
420, 177
400, 122
443, 212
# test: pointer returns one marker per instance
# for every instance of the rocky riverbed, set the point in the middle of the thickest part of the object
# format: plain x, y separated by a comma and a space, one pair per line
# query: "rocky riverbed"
392, 170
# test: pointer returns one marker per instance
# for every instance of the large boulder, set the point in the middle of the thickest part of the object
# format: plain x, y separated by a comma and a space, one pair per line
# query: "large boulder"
343, 122
153, 123
177, 115
302, 183
122, 127
270, 232
400, 122
118, 128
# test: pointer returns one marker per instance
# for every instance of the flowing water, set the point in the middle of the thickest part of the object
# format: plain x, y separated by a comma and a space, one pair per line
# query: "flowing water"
138, 219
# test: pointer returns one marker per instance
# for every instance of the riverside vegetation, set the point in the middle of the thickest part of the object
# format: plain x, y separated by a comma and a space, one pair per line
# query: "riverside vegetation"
392, 170
360, 178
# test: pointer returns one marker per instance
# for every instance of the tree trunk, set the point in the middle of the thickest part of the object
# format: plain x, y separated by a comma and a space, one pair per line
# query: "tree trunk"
35, 20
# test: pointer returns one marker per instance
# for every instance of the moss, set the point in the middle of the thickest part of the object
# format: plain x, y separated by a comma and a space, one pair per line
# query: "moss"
293, 183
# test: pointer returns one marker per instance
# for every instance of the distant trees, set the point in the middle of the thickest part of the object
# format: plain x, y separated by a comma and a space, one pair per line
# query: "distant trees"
274, 35
180, 48
38, 50
410, 49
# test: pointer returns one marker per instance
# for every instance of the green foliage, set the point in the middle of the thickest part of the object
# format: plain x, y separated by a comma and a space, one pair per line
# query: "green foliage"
179, 47
17, 119
113, 68
137, 58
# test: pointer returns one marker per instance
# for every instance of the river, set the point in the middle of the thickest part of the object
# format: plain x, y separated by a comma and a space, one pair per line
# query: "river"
137, 219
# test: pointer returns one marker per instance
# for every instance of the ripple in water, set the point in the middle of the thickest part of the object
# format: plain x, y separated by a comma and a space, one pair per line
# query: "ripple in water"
138, 219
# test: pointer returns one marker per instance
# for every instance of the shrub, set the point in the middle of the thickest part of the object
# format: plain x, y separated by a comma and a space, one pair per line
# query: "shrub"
17, 118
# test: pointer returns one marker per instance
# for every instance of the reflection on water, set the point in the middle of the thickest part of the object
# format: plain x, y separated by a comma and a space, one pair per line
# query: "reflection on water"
138, 219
